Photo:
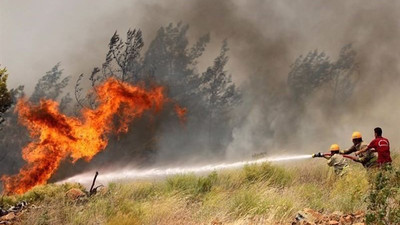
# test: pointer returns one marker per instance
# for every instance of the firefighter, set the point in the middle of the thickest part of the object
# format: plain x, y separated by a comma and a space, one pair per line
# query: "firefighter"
380, 145
334, 160
367, 158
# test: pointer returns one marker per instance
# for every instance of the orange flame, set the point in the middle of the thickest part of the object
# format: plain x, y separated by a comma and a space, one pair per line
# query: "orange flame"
181, 112
57, 136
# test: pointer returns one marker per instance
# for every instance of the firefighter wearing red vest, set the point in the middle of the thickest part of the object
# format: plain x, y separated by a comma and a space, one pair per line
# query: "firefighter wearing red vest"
380, 145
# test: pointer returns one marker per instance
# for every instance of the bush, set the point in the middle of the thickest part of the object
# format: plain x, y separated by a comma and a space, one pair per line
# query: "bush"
384, 197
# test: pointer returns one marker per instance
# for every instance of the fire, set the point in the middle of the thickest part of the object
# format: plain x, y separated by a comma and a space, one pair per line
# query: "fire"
57, 136
181, 112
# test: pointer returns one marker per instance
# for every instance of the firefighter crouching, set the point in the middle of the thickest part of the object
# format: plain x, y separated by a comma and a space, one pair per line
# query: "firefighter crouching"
367, 158
334, 159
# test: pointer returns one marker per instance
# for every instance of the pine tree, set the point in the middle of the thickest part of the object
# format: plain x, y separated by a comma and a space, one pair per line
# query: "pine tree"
5, 96
123, 58
50, 86
221, 95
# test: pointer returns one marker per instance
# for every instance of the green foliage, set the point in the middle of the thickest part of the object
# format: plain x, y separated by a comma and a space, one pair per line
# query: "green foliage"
384, 197
5, 96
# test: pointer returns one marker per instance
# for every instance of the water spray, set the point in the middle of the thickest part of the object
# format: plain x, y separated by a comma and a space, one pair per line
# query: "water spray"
134, 174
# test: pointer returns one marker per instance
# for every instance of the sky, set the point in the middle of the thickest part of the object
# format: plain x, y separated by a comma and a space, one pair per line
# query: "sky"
35, 35
265, 37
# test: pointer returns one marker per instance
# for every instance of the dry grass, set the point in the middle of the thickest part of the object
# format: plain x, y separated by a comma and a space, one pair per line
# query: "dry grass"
258, 194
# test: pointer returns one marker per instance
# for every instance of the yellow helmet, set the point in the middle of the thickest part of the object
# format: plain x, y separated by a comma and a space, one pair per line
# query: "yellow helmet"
335, 147
356, 135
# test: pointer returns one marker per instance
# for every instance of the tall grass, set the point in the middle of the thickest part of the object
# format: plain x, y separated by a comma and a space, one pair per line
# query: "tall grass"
263, 192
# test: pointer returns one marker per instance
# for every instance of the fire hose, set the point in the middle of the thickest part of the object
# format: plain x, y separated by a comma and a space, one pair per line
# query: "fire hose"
322, 155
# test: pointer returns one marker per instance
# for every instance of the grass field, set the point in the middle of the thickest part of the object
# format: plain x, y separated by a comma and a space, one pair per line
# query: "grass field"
264, 194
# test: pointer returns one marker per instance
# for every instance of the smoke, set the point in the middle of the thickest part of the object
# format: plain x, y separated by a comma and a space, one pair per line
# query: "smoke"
265, 38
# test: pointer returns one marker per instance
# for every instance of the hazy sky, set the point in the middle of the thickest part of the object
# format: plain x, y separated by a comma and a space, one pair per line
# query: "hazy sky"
35, 35
264, 36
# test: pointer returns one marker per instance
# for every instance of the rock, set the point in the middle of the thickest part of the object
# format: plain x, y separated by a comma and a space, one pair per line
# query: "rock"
316, 215
18, 207
312, 217
75, 194
9, 216
3, 212
309, 216
216, 222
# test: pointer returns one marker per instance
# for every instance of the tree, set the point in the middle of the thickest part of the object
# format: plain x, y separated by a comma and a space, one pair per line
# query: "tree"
171, 61
12, 136
217, 86
318, 81
123, 61
308, 73
221, 94
123, 58
5, 95
316, 70
49, 86
344, 71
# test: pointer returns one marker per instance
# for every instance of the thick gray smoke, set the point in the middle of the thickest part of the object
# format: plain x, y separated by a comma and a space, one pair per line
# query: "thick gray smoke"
265, 38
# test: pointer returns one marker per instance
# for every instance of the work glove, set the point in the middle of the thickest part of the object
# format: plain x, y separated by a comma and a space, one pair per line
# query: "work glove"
319, 154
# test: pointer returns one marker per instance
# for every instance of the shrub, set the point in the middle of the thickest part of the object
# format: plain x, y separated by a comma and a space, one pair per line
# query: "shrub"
384, 197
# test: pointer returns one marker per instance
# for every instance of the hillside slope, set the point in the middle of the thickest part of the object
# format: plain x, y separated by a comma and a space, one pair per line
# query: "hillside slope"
255, 194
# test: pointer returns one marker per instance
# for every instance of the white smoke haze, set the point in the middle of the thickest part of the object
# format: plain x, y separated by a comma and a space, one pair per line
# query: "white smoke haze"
265, 38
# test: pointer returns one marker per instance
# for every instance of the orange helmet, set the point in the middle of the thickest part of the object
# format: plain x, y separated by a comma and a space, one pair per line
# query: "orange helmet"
356, 135
334, 147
